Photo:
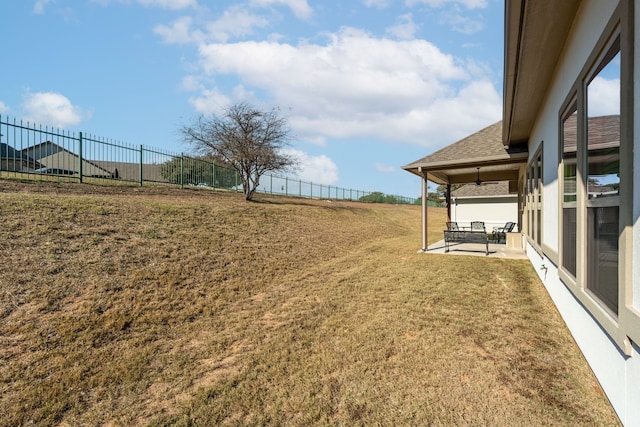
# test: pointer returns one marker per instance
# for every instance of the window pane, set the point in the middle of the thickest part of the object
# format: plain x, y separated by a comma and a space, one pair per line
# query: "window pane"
603, 134
603, 177
569, 137
569, 240
538, 204
602, 236
569, 145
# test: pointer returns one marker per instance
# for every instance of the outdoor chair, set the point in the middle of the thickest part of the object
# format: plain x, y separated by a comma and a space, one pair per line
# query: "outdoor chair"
477, 226
452, 226
500, 233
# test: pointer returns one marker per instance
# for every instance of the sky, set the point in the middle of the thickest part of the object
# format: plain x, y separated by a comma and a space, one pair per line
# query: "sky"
366, 86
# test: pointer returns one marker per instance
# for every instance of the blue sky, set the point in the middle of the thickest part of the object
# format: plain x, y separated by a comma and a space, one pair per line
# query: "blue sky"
366, 85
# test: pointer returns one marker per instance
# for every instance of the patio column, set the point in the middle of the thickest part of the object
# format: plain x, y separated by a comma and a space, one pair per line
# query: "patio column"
424, 209
448, 202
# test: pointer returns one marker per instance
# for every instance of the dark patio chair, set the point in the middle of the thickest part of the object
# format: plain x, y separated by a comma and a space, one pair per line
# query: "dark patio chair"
500, 233
452, 226
477, 226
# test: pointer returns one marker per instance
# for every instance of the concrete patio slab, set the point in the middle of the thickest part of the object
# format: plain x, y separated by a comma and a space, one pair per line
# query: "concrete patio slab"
496, 250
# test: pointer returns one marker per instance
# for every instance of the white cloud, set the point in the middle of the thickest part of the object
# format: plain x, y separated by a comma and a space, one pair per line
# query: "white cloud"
378, 4
469, 4
604, 97
300, 8
358, 86
211, 101
170, 4
191, 83
317, 169
178, 32
164, 4
38, 7
237, 21
3, 108
461, 23
382, 168
405, 29
52, 109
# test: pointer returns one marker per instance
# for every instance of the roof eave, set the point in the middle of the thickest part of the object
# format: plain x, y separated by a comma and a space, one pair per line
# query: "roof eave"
535, 34
477, 162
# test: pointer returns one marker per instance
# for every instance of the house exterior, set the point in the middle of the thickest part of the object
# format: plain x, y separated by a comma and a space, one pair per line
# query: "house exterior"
54, 156
15, 161
571, 105
490, 202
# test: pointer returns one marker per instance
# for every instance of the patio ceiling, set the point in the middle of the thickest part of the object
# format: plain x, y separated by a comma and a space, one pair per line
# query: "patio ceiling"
458, 163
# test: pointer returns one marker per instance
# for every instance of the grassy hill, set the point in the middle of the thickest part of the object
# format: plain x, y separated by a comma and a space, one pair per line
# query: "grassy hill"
153, 306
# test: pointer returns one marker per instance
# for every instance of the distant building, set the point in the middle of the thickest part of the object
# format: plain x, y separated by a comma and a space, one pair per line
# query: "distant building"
55, 157
16, 161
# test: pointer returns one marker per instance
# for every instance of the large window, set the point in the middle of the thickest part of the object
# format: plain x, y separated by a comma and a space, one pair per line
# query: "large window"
603, 176
596, 129
590, 155
533, 199
569, 189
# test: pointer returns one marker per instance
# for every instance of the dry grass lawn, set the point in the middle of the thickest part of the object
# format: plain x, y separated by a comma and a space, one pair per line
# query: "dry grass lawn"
155, 306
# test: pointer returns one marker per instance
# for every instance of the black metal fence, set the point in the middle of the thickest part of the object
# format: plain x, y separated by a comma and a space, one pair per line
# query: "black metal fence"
29, 151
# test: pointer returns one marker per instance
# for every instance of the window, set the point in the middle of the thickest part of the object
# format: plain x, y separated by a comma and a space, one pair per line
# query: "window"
603, 176
538, 199
533, 199
569, 189
596, 132
590, 169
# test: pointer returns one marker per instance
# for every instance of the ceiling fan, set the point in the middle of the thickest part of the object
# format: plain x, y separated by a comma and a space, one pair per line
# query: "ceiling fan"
478, 181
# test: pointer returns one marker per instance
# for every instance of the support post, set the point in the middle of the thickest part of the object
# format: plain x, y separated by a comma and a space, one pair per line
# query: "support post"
448, 202
425, 221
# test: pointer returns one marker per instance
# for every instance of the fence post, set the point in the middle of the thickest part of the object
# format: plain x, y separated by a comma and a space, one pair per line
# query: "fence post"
79, 156
181, 170
286, 186
141, 163
213, 184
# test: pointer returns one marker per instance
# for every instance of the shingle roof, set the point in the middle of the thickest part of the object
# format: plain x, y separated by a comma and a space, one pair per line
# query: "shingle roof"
485, 144
457, 162
604, 132
488, 189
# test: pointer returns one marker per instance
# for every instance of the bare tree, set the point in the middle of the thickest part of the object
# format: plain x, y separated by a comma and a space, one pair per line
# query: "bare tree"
249, 140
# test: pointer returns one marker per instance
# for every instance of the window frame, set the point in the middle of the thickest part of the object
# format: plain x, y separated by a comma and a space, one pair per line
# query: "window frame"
569, 109
533, 200
624, 327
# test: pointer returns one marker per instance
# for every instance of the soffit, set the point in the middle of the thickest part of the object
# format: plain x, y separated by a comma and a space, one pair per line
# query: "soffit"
535, 34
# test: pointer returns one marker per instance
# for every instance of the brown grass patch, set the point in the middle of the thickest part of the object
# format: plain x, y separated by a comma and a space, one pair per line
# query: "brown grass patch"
136, 306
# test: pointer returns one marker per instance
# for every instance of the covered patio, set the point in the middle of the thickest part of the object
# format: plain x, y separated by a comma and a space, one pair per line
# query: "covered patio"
479, 158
